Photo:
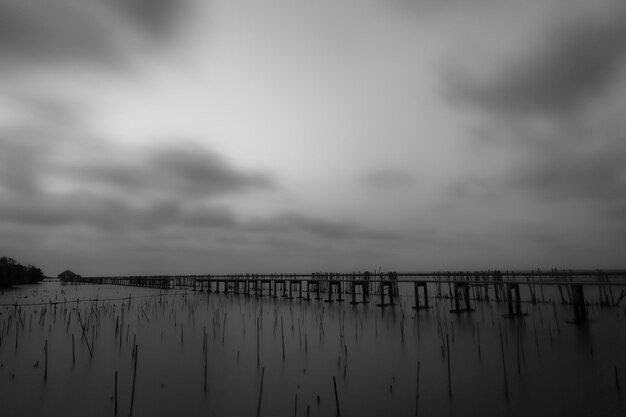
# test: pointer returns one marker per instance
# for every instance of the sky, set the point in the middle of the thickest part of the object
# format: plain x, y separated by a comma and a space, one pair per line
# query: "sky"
233, 136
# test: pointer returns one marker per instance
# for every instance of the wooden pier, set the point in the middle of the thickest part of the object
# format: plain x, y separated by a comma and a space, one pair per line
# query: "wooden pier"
462, 286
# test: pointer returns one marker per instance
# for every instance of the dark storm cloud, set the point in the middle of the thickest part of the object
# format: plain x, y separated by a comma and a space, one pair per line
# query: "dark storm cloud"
150, 188
573, 62
592, 176
570, 166
291, 222
184, 171
199, 172
146, 189
83, 30
156, 16
387, 179
111, 214
43, 29
568, 170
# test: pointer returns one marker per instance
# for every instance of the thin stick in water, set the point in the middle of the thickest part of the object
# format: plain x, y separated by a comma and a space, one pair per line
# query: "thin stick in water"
449, 379
336, 396
258, 410
115, 392
45, 373
132, 396
206, 354
282, 333
506, 385
417, 388
295, 407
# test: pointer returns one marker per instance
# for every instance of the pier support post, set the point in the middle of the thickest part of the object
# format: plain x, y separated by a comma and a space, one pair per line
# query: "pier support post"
299, 282
464, 286
337, 285
513, 296
416, 287
580, 310
390, 292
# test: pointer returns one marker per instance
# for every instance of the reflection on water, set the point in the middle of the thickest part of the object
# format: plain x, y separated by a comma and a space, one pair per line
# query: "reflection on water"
551, 367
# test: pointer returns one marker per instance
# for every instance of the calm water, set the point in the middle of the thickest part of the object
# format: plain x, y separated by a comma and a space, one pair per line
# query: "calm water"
552, 367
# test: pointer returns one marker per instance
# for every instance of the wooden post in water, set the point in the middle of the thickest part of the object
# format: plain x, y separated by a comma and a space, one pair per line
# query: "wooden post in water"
381, 289
336, 397
416, 286
506, 384
458, 287
258, 410
580, 310
132, 396
513, 296
449, 374
115, 394
45, 373
282, 334
417, 388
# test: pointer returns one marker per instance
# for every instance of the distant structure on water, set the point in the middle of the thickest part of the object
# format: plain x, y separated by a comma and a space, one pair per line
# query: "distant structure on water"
68, 275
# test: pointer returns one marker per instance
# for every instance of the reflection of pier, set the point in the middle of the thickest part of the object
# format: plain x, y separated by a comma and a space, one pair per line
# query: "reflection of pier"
461, 286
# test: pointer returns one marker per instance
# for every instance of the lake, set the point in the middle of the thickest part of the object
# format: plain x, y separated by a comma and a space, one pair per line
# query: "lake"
201, 353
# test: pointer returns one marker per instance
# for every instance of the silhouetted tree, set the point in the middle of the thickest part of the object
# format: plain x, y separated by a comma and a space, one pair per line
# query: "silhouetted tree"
12, 273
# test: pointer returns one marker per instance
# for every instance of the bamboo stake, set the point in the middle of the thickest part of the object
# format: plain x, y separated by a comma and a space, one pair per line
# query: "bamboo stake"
336, 396
417, 388
258, 411
282, 333
449, 378
115, 392
506, 385
45, 373
206, 354
132, 397
295, 407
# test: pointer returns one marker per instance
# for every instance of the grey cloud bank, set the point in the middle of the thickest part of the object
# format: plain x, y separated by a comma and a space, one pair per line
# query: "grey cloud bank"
179, 137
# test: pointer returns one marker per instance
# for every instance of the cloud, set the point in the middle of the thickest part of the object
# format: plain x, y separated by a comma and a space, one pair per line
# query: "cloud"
183, 172
49, 179
292, 222
386, 179
548, 97
94, 31
156, 16
139, 203
569, 61
574, 167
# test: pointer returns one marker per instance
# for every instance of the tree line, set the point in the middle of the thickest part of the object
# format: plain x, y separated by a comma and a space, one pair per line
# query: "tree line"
11, 273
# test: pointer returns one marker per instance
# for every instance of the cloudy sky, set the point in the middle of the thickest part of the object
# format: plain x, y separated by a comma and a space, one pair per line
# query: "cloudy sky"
205, 136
